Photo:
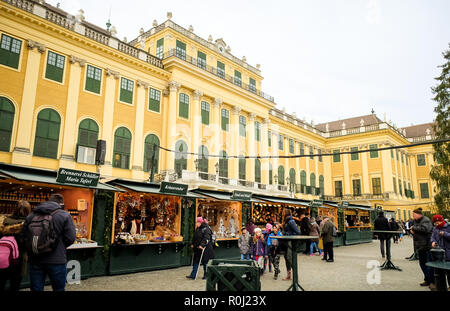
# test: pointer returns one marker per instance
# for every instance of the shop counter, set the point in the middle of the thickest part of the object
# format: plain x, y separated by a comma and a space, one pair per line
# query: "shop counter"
358, 234
339, 240
227, 249
129, 258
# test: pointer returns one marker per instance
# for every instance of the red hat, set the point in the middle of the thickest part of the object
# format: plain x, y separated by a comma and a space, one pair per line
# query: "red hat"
200, 219
437, 218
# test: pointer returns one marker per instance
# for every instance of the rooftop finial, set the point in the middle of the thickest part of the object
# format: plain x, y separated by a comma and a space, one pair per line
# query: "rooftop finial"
169, 15
113, 31
155, 23
210, 38
373, 111
141, 31
191, 29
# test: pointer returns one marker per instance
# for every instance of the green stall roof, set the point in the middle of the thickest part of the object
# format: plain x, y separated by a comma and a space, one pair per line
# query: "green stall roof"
222, 195
147, 187
282, 200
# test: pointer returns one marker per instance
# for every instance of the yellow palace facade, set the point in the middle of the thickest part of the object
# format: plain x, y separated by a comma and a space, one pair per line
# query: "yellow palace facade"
66, 83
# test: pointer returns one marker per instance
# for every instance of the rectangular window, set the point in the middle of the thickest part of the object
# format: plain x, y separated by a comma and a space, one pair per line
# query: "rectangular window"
154, 100
225, 119
181, 50
237, 78
184, 106
396, 154
126, 90
269, 138
258, 131
374, 153
356, 187
291, 145
338, 188
394, 181
424, 194
221, 69
355, 156
302, 148
242, 126
55, 67
160, 48
421, 160
280, 142
252, 85
201, 60
402, 158
406, 189
336, 156
205, 113
93, 79
311, 152
10, 51
320, 155
376, 185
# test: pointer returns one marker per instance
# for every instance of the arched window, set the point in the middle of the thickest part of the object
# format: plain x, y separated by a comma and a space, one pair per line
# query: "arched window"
292, 176
312, 180
223, 164
151, 152
6, 123
321, 185
270, 174
122, 148
203, 159
281, 175
242, 169
257, 171
47, 134
303, 178
180, 158
87, 141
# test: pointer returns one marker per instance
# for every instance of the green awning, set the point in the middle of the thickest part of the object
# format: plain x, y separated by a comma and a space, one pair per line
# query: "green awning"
147, 187
222, 195
282, 200
37, 175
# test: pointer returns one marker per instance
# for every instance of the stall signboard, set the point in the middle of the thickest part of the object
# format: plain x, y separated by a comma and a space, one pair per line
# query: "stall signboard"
316, 203
344, 204
241, 195
74, 177
173, 188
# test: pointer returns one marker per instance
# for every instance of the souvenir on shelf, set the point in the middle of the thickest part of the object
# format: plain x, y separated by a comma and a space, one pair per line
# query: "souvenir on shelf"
223, 218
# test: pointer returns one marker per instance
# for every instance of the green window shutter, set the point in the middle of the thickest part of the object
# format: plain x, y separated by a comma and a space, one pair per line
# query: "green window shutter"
47, 134
55, 66
356, 187
154, 100
237, 78
93, 79
6, 123
122, 148
205, 113
421, 160
181, 50
424, 194
355, 156
160, 48
280, 142
258, 131
149, 149
252, 85
225, 119
201, 59
338, 188
320, 155
292, 176
10, 51
184, 106
336, 156
302, 148
394, 182
221, 69
376, 185
281, 175
373, 154
270, 174
322, 185
88, 133
311, 152
126, 90
269, 138
392, 153
242, 169
291, 145
257, 171
242, 126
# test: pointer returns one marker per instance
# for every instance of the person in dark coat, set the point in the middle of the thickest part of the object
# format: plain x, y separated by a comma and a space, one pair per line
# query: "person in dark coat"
250, 227
328, 239
421, 231
305, 228
393, 226
53, 263
381, 223
290, 228
441, 237
201, 243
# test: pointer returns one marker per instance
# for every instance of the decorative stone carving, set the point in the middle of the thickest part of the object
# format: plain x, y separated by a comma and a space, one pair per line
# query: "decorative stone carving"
258, 66
166, 93
174, 86
79, 18
140, 83
74, 59
236, 110
110, 72
155, 23
252, 116
33, 44
361, 123
327, 127
343, 125
217, 102
191, 29
197, 94
244, 59
266, 121
210, 38
141, 31
169, 15
113, 31
428, 132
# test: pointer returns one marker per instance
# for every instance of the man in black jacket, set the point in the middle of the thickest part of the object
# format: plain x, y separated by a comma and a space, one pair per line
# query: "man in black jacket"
305, 228
381, 223
203, 247
421, 230
290, 228
54, 262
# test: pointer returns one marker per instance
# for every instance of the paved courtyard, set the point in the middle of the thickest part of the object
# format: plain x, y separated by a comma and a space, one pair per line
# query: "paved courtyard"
348, 272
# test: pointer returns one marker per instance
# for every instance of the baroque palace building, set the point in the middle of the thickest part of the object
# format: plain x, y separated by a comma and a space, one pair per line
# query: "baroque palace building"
66, 83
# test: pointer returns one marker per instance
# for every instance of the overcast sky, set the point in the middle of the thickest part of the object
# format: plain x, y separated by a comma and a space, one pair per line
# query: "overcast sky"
324, 59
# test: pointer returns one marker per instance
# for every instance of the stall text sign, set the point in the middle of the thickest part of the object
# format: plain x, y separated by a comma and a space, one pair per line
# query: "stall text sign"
241, 195
344, 203
167, 187
68, 176
316, 203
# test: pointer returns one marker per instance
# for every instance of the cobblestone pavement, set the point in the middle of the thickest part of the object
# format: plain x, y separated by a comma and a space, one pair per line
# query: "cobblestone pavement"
348, 273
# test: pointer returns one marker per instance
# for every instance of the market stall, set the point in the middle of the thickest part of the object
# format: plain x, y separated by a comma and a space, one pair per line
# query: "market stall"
78, 189
226, 213
357, 224
151, 226
330, 209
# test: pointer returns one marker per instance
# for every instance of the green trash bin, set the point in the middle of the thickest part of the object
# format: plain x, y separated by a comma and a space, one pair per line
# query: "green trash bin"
232, 275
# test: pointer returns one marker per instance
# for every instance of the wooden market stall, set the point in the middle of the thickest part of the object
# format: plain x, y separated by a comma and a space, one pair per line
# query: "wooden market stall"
358, 224
330, 209
152, 226
79, 190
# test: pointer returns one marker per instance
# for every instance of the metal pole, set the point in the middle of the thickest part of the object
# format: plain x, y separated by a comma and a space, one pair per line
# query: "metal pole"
200, 262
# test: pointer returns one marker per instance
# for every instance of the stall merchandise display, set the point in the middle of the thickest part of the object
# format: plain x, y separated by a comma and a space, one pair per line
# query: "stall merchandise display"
224, 218
329, 212
145, 218
357, 219
264, 213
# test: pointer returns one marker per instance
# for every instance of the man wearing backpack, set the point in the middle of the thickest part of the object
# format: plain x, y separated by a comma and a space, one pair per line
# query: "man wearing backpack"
47, 232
